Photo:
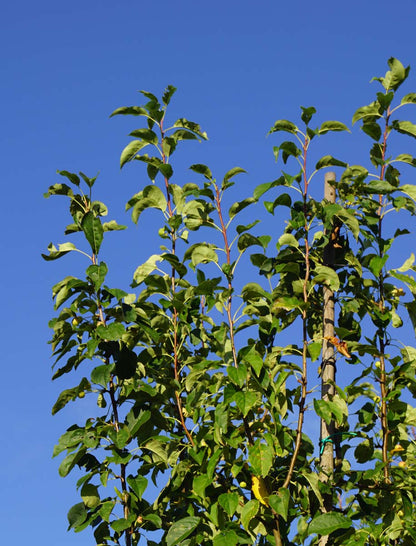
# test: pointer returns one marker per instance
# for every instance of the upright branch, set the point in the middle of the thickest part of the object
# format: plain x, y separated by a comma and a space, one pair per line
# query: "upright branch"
304, 377
229, 303
175, 315
228, 307
381, 334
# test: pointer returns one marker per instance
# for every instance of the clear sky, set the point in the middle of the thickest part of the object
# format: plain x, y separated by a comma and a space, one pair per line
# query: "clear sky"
65, 66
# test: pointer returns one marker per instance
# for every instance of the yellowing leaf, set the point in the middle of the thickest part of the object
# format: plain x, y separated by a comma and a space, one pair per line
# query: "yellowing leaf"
258, 486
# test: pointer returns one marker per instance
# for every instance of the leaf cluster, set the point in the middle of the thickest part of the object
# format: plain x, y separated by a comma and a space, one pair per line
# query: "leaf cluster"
204, 407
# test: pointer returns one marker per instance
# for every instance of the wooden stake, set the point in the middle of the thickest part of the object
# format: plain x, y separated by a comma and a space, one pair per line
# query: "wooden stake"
328, 437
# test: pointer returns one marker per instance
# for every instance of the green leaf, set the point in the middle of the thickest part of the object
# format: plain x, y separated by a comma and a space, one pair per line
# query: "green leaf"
406, 158
154, 103
332, 126
131, 150
323, 409
313, 480
288, 239
411, 310
70, 461
138, 484
147, 135
410, 98
229, 175
202, 169
202, 253
120, 525
325, 524
112, 332
59, 189
101, 374
93, 230
288, 149
238, 375
55, 253
307, 114
364, 451
405, 127
339, 409
240, 205
134, 421
99, 208
326, 275
246, 240
266, 186
254, 358
229, 538
212, 463
158, 447
284, 125
70, 439
380, 187
105, 510
288, 303
349, 219
385, 99
70, 394
372, 129
195, 214
280, 502
330, 409
395, 76
284, 199
157, 522
241, 228
167, 95
329, 161
89, 181
150, 197
130, 111
372, 110
245, 400
407, 264
72, 177
354, 171
229, 501
180, 134
191, 126
376, 264
97, 274
144, 270
409, 189
248, 512
314, 350
260, 456
173, 260
200, 483
89, 495
113, 226
407, 279
181, 529
77, 515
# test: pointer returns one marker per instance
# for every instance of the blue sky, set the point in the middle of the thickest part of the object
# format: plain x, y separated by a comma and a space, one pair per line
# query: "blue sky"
65, 66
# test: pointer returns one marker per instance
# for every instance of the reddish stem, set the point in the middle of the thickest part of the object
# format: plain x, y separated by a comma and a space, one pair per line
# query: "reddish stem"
303, 379
175, 317
383, 385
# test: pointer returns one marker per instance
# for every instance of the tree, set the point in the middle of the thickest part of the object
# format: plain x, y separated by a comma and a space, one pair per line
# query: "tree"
199, 391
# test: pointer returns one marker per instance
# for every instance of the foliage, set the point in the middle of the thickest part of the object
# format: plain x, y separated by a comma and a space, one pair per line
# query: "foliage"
204, 408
